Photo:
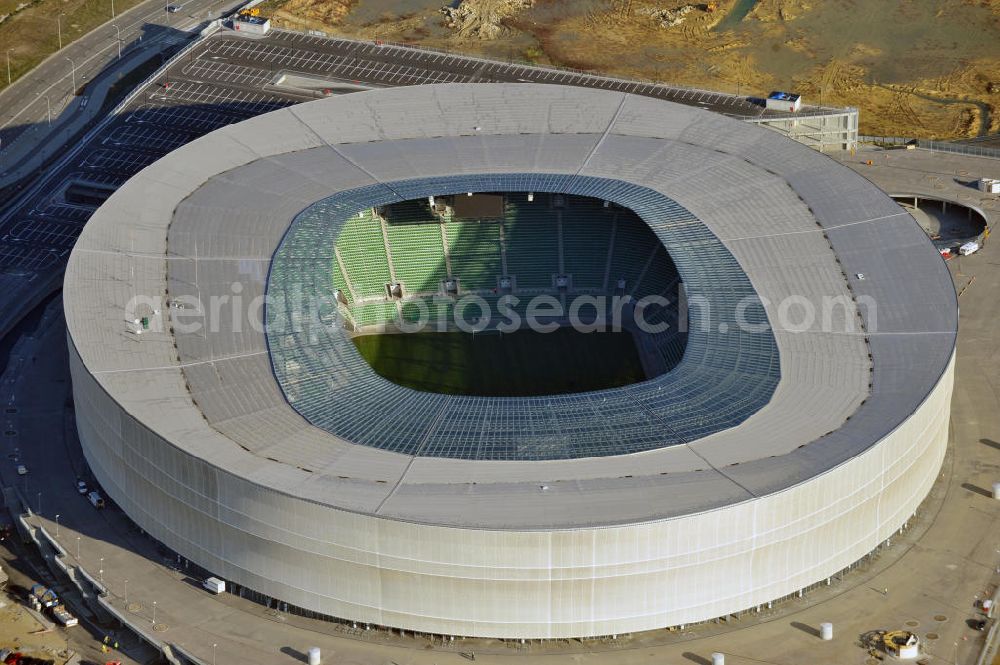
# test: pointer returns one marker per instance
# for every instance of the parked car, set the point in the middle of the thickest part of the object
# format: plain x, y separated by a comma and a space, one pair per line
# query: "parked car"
173, 9
22, 470
96, 499
81, 487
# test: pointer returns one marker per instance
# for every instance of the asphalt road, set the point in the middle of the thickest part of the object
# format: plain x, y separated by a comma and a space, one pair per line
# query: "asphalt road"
47, 91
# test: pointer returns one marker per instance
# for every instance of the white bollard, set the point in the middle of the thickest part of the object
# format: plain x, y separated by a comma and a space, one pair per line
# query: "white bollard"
314, 656
718, 659
826, 631
996, 490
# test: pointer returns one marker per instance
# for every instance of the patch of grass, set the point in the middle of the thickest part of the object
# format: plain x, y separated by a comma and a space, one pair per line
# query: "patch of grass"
519, 364
533, 54
31, 33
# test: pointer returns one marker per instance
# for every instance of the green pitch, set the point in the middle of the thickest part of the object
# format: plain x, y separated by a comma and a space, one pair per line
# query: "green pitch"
517, 364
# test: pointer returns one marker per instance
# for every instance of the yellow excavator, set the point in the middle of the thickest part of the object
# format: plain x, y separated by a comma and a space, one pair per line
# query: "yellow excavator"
901, 643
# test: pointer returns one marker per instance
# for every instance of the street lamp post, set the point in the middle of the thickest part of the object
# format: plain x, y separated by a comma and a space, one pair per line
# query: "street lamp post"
59, 29
100, 570
213, 653
119, 35
112, 8
126, 594
8, 67
57, 525
71, 62
39, 503
154, 612
78, 548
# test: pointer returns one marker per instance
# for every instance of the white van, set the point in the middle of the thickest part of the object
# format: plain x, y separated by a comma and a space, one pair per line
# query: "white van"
968, 248
215, 585
96, 500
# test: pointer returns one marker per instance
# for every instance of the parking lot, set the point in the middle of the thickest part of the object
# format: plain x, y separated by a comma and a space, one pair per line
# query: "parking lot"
393, 65
228, 78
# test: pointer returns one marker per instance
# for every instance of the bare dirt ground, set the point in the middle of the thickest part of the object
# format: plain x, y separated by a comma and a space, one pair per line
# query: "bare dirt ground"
924, 68
21, 631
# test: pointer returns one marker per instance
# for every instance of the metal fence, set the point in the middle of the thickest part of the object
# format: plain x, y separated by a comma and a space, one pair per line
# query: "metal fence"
960, 148
938, 146
886, 140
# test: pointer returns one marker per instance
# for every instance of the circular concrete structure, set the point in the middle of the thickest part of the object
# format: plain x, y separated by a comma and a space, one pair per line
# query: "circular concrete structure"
770, 458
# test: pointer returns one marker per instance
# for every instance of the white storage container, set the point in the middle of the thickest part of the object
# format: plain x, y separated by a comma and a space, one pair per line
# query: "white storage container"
214, 584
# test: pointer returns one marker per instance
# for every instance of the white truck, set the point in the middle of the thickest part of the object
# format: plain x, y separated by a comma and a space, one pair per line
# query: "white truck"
214, 585
968, 248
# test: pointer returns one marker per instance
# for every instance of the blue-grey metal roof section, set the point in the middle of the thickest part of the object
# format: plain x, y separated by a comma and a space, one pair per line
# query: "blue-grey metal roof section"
721, 381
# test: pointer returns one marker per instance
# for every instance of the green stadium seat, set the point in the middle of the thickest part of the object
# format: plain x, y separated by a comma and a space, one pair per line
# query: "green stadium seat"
474, 247
362, 248
586, 242
532, 240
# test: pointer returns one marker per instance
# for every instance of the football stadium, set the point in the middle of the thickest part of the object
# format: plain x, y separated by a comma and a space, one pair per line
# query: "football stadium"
510, 360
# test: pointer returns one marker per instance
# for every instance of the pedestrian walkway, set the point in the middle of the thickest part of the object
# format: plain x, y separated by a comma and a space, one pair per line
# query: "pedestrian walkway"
30, 150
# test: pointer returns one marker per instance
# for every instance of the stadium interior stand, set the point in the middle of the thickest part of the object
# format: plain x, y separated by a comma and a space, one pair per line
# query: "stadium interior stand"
696, 397
595, 246
592, 244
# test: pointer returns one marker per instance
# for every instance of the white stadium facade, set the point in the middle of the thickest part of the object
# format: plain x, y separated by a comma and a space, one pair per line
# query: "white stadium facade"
770, 458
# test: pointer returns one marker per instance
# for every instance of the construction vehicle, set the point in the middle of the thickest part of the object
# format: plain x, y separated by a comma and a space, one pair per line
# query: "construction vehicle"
901, 644
60, 614
9, 657
46, 597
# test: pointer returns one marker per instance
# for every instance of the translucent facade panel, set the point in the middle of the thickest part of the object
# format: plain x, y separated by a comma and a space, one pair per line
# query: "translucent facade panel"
511, 584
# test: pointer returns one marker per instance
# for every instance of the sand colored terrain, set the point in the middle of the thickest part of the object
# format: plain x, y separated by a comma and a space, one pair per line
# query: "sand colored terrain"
918, 68
307, 14
21, 631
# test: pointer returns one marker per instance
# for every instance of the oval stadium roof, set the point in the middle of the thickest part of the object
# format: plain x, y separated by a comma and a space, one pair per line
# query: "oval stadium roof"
741, 209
